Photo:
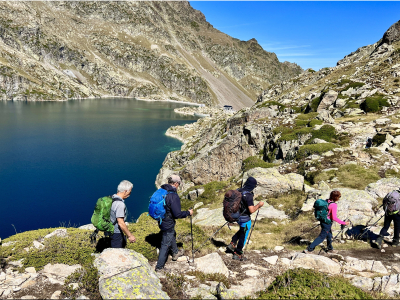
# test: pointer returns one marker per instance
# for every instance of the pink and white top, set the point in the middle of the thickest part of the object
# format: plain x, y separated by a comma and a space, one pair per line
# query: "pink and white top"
332, 210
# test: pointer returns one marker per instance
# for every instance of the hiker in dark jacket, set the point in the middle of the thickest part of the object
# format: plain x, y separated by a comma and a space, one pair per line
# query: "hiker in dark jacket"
244, 221
167, 226
389, 217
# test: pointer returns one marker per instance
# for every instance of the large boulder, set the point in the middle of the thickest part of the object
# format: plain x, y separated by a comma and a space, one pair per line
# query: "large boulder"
126, 274
316, 262
214, 217
328, 99
271, 182
392, 34
357, 265
383, 186
57, 273
210, 264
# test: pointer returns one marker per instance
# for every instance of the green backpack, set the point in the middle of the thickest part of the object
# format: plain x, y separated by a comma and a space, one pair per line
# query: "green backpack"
101, 215
321, 211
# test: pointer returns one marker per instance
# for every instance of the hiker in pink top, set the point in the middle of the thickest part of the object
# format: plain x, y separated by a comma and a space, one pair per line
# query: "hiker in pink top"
326, 231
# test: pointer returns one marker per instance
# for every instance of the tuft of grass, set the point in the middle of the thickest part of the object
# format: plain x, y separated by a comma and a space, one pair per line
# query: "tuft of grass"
255, 162
88, 283
315, 103
272, 103
173, 285
203, 277
307, 150
374, 103
290, 202
309, 284
294, 134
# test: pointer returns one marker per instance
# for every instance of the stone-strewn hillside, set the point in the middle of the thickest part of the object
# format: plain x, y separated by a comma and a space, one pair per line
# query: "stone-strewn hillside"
156, 50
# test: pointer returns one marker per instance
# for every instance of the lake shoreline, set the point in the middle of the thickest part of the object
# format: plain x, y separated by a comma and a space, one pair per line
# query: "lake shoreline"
105, 97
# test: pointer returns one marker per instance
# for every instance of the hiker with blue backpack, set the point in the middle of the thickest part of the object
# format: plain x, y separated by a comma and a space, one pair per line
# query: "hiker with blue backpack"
165, 207
325, 212
391, 207
243, 199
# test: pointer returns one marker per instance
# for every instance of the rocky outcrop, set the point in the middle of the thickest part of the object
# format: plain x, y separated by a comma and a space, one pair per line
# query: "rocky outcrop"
316, 262
392, 35
211, 264
270, 182
126, 274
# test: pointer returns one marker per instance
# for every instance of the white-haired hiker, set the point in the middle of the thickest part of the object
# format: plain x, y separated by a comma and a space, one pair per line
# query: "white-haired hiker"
118, 215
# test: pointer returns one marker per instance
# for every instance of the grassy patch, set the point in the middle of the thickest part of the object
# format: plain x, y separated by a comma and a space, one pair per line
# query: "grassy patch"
309, 284
74, 249
255, 162
307, 150
392, 173
353, 85
202, 277
374, 103
294, 134
357, 177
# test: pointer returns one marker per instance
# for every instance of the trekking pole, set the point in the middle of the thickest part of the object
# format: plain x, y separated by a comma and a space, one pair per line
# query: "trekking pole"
344, 226
366, 229
302, 234
191, 232
209, 238
255, 220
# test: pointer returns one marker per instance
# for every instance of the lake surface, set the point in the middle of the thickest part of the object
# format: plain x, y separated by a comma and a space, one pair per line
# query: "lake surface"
58, 158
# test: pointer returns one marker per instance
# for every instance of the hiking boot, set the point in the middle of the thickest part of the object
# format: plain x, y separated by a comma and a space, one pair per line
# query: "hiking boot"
395, 243
231, 248
306, 251
379, 241
239, 257
332, 251
163, 271
177, 255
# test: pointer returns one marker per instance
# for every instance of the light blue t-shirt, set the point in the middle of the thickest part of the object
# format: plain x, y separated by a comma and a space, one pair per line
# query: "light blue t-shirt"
118, 210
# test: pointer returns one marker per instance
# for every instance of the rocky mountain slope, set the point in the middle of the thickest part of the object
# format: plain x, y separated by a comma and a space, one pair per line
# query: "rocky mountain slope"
331, 109
155, 50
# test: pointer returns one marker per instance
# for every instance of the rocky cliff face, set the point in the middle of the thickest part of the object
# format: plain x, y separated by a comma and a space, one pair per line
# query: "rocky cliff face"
59, 50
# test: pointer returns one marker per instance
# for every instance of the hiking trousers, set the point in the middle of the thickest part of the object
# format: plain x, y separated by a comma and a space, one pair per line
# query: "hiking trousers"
168, 241
118, 240
386, 224
241, 236
326, 233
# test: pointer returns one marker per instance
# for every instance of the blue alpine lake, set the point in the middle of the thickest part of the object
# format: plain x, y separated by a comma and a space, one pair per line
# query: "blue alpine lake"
58, 158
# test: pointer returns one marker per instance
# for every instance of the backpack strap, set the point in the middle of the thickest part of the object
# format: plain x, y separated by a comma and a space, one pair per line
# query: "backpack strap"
168, 213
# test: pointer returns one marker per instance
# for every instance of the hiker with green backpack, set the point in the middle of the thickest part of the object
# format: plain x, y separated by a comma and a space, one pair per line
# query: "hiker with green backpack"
109, 216
325, 212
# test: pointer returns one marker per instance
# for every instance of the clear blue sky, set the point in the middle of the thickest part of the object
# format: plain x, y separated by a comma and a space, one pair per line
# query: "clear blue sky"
311, 34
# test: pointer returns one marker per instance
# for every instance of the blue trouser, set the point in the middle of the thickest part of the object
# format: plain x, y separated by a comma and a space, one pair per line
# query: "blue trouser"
118, 240
168, 241
241, 236
326, 233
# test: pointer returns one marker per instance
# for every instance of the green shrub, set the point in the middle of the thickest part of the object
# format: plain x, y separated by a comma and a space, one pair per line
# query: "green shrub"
272, 103
378, 139
374, 103
255, 162
326, 132
294, 134
88, 283
307, 117
311, 70
314, 122
353, 85
194, 25
173, 285
307, 150
396, 80
309, 284
315, 103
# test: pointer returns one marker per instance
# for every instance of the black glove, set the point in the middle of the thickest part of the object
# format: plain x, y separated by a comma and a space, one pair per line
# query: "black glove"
342, 227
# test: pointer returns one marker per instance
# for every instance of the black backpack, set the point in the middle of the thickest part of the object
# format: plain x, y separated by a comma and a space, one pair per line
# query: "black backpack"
233, 205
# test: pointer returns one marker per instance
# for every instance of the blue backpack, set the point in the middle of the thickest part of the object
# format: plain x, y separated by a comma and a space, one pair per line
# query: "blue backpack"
157, 205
